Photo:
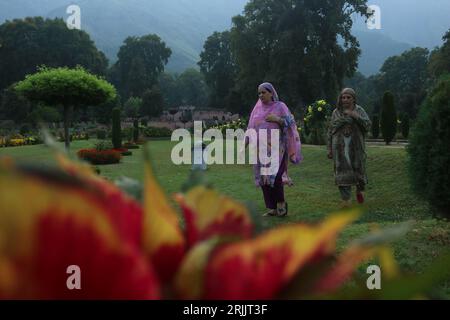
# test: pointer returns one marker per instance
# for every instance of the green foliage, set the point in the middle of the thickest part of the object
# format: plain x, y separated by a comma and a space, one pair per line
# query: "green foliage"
67, 87
169, 85
404, 125
440, 58
140, 62
101, 134
405, 76
14, 106
316, 119
153, 132
103, 112
152, 103
31, 42
135, 131
388, 122
219, 68
235, 103
103, 145
375, 127
429, 152
132, 107
294, 45
192, 88
43, 113
116, 129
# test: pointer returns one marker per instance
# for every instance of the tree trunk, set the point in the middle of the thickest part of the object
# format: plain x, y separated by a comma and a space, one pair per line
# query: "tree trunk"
66, 126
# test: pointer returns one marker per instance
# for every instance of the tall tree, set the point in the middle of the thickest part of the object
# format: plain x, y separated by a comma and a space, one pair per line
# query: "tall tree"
140, 61
152, 103
428, 151
132, 107
294, 44
14, 106
192, 88
405, 76
219, 67
28, 43
167, 82
440, 58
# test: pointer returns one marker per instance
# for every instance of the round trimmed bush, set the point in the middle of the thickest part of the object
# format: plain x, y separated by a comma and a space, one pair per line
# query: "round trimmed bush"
429, 152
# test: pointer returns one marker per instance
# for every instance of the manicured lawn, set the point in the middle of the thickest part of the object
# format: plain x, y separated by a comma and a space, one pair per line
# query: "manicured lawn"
313, 197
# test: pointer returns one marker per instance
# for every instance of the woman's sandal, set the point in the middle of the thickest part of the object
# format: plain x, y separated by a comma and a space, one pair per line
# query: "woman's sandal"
270, 213
282, 212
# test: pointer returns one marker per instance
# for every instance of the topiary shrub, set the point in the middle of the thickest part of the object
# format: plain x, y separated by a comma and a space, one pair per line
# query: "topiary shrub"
116, 129
69, 88
135, 130
388, 118
428, 150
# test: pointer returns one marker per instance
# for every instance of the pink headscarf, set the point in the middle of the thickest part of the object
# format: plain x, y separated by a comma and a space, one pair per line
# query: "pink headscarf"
269, 87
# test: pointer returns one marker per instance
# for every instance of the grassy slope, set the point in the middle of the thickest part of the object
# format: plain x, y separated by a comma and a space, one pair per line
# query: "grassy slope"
314, 196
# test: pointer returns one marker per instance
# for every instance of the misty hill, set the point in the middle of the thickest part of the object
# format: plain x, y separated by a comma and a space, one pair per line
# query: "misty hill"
376, 48
183, 24
416, 22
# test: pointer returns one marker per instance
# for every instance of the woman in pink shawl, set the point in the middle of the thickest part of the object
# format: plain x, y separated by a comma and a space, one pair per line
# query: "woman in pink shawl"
271, 114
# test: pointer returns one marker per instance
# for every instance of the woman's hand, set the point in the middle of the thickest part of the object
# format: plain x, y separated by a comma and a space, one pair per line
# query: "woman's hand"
273, 118
351, 113
330, 154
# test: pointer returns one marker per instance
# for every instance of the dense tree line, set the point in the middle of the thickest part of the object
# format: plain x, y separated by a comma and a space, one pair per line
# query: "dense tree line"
304, 47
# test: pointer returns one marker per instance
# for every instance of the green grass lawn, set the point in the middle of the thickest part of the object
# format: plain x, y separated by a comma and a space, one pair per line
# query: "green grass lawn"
313, 197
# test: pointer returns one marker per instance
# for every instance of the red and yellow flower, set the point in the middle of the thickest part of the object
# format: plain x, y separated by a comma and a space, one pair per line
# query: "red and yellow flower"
52, 219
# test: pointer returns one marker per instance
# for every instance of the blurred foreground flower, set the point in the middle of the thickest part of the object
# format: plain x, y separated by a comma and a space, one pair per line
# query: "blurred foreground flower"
52, 219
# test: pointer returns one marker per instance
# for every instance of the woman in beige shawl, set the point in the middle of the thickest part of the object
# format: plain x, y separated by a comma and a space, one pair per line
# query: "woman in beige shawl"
346, 146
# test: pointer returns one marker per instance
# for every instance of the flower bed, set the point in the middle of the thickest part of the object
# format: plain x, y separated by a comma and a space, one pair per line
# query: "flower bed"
19, 140
99, 157
234, 125
316, 119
